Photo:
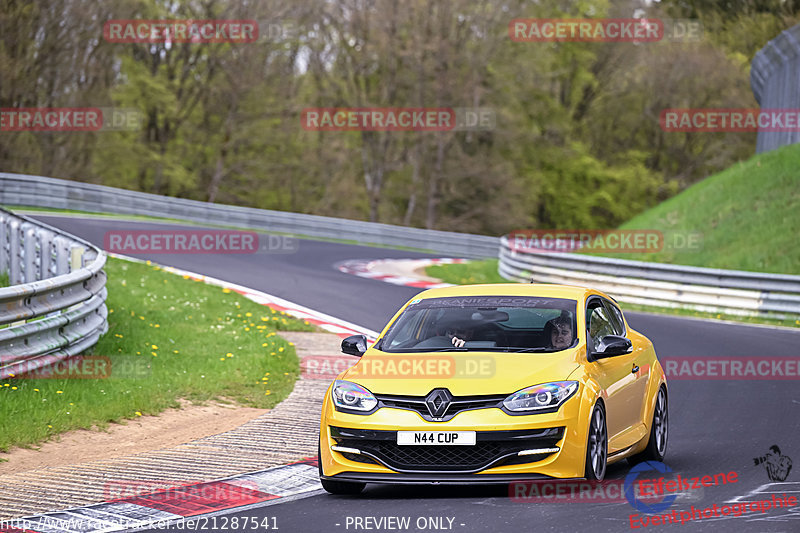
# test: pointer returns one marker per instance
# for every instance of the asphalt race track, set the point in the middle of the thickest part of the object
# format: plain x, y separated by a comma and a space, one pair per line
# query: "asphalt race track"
716, 426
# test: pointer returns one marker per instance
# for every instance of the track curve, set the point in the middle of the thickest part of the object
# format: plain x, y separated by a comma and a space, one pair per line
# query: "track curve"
716, 426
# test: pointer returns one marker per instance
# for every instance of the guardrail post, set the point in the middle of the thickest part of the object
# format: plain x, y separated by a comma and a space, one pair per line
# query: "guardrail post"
14, 275
29, 253
76, 258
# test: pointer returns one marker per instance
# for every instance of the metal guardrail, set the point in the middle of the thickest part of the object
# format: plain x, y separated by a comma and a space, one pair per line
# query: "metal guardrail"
773, 77
55, 305
702, 289
19, 189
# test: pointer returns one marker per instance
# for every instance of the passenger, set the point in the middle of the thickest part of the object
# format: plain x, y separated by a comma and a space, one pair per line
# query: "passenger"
560, 332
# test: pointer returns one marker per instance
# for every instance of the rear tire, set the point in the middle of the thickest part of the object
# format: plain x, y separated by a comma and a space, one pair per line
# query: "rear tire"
659, 432
597, 446
337, 487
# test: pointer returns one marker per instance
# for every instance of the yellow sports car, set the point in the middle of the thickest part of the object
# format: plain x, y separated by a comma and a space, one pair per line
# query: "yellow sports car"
494, 383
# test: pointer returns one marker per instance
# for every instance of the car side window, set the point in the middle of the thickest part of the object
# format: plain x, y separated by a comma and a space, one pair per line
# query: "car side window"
599, 323
615, 317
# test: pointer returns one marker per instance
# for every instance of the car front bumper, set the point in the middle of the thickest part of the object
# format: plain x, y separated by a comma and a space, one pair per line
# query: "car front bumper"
500, 437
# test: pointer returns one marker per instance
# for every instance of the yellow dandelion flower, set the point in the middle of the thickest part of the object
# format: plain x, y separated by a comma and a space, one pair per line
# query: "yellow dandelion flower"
36, 390
175, 351
280, 349
154, 354
226, 291
138, 413
267, 393
221, 358
13, 388
49, 426
59, 392
153, 346
247, 329
264, 344
156, 326
248, 314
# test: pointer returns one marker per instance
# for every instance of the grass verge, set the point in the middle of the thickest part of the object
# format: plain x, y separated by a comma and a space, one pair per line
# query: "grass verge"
745, 214
169, 337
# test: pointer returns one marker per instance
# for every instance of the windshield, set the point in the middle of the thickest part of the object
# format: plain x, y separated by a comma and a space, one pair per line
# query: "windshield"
483, 323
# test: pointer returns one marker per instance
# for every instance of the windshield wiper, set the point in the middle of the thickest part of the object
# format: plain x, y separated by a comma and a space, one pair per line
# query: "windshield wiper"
525, 350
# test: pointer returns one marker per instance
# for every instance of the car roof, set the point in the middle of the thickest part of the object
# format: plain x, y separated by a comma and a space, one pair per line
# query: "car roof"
546, 290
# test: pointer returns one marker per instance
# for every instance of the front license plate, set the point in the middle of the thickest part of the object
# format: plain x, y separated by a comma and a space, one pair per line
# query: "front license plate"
436, 438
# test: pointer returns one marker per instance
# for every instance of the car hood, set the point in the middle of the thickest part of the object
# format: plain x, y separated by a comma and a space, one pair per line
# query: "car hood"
463, 373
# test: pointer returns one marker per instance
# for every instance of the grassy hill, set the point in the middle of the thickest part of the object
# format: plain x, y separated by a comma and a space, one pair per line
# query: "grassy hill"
747, 215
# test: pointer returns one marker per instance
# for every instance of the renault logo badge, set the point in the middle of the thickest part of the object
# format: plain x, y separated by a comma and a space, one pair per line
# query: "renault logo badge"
438, 401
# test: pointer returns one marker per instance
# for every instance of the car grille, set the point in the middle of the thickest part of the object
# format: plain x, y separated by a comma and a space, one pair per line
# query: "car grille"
457, 404
492, 448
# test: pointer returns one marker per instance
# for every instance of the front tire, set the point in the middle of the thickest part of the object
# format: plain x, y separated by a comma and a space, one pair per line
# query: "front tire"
659, 431
597, 446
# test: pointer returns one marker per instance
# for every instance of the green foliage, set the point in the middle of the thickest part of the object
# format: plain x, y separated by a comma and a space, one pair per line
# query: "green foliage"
746, 215
577, 140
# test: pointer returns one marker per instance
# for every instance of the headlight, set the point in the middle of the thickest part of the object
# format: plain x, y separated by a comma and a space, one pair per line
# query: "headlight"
539, 397
347, 395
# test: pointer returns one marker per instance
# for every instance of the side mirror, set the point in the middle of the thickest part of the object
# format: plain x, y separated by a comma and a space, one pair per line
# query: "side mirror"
354, 345
610, 346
